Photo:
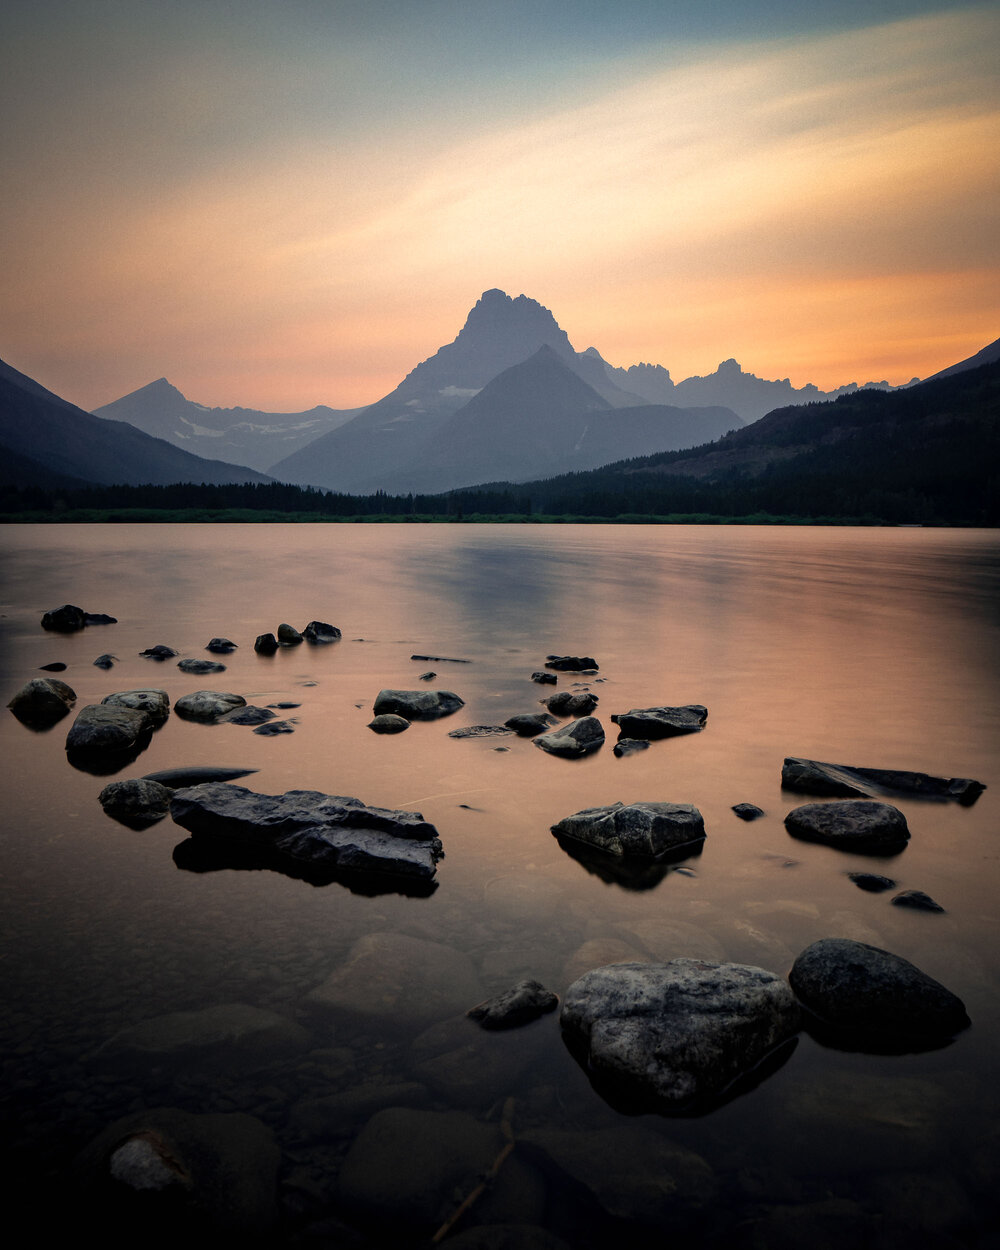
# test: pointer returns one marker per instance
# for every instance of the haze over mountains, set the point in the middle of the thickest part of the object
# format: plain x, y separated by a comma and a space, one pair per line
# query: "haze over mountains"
467, 415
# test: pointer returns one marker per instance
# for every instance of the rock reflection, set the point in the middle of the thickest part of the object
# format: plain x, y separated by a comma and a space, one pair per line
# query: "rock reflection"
630, 874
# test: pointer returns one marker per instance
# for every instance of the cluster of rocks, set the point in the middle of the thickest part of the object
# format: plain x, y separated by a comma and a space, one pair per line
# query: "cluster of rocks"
289, 636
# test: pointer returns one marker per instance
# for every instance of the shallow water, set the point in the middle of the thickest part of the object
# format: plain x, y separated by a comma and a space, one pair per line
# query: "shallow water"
869, 647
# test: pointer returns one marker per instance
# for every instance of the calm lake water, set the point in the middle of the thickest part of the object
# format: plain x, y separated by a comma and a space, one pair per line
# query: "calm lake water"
879, 648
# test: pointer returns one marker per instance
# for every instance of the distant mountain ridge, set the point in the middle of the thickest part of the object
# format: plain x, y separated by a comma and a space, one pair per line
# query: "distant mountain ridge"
48, 441
240, 435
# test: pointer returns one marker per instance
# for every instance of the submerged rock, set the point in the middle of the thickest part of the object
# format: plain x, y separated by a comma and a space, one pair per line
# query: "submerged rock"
42, 701
848, 780
322, 830
916, 899
861, 825
675, 1037
155, 703
660, 722
572, 663
644, 829
482, 731
136, 802
249, 715
200, 666
163, 1176
519, 1005
101, 727
865, 990
181, 778
871, 881
580, 737
208, 705
65, 620
100, 618
566, 703
320, 631
388, 723
629, 746
417, 704
274, 728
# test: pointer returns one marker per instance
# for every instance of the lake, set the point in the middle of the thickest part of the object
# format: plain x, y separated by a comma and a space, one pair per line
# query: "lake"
872, 647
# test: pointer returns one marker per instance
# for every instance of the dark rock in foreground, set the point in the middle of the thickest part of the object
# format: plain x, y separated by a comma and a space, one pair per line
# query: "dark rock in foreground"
136, 802
566, 703
100, 727
815, 777
865, 990
675, 1037
417, 704
388, 723
42, 701
872, 882
861, 825
916, 899
645, 829
208, 705
580, 737
571, 663
65, 620
170, 1177
660, 722
519, 1005
322, 830
320, 631
530, 724
748, 811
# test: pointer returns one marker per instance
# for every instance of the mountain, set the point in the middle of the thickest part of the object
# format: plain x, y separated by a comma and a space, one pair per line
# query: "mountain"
539, 417
43, 435
929, 454
986, 356
242, 435
387, 442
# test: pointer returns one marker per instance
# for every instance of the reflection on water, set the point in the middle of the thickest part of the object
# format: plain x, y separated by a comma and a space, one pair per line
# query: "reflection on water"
877, 647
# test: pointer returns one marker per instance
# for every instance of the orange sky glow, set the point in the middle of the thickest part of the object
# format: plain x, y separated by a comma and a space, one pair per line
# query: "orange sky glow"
820, 205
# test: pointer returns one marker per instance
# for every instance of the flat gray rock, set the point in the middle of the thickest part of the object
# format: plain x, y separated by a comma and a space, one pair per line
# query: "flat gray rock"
155, 703
482, 731
208, 705
394, 977
644, 829
867, 990
660, 722
519, 1005
581, 737
321, 830
200, 666
861, 825
849, 780
102, 728
674, 1037
417, 704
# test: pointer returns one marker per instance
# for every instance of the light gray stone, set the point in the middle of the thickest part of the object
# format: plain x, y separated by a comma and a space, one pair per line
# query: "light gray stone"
155, 703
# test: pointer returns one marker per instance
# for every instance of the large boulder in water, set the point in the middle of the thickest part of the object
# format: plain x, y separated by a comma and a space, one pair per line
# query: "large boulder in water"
578, 738
42, 701
861, 825
65, 620
323, 831
850, 780
102, 727
675, 1037
866, 991
660, 722
417, 704
646, 829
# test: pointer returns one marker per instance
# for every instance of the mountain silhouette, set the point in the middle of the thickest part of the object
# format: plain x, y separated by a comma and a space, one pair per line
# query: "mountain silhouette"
245, 436
44, 435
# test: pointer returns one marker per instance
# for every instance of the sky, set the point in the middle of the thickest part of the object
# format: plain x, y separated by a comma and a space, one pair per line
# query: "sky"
280, 203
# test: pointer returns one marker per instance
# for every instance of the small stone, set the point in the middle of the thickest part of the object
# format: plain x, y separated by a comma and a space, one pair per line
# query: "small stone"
57, 667
519, 1005
630, 746
221, 646
916, 899
580, 737
565, 703
388, 723
105, 661
428, 676
200, 666
748, 811
571, 663
289, 636
274, 728
320, 631
544, 679
530, 724
871, 881
159, 652
249, 715
265, 644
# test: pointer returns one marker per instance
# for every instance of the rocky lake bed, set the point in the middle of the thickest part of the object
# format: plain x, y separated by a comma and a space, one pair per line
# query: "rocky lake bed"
340, 984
